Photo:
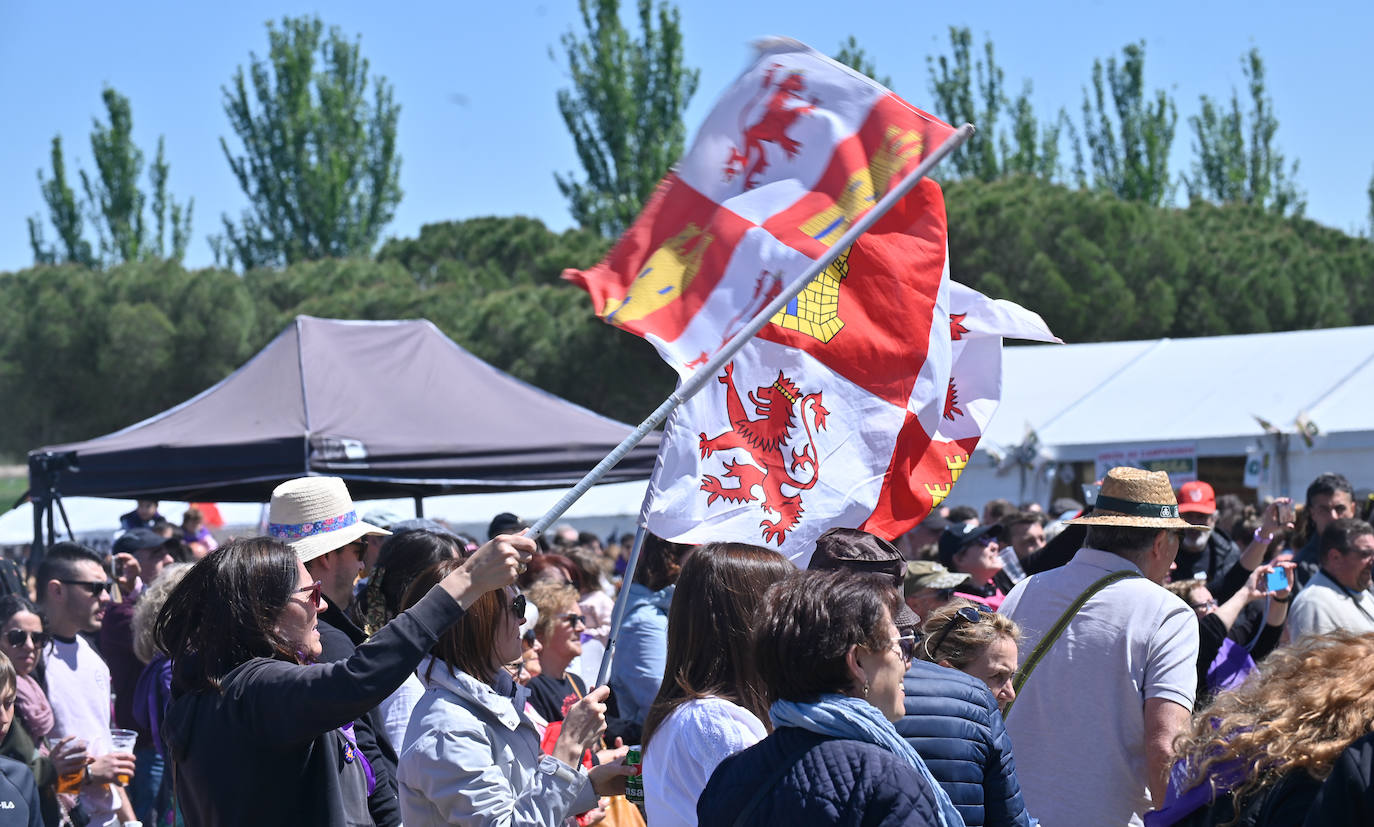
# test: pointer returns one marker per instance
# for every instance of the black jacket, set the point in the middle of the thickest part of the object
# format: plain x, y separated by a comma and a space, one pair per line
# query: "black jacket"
1347, 796
369, 731
955, 724
824, 781
18, 795
1213, 562
264, 750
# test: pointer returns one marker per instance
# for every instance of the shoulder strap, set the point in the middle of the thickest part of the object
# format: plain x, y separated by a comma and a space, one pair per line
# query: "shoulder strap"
765, 786
1043, 647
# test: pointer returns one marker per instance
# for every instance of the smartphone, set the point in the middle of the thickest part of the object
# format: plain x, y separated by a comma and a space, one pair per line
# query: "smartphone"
1276, 580
1286, 514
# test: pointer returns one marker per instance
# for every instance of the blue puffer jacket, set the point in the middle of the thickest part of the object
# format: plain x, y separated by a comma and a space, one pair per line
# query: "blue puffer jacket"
828, 781
953, 722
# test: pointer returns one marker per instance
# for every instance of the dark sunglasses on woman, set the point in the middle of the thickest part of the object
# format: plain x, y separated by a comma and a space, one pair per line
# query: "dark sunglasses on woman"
16, 637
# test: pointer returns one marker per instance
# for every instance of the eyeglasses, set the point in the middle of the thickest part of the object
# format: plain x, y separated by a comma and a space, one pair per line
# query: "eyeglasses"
16, 638
968, 614
1210, 604
575, 619
313, 594
986, 539
95, 588
906, 645
517, 607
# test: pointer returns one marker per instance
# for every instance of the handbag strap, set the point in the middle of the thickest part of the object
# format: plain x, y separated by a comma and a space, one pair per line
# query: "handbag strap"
1043, 647
765, 786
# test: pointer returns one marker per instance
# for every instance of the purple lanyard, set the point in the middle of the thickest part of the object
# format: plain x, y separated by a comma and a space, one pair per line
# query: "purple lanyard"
352, 753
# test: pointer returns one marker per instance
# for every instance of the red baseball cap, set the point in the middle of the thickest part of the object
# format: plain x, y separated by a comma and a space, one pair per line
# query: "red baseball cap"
1197, 497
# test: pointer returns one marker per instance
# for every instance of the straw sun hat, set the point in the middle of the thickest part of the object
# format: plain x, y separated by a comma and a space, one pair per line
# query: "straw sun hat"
1134, 497
315, 515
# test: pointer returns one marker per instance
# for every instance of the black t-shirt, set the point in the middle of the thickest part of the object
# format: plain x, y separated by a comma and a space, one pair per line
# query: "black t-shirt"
548, 694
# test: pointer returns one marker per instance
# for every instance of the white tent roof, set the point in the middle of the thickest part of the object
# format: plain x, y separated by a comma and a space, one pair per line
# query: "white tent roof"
1081, 398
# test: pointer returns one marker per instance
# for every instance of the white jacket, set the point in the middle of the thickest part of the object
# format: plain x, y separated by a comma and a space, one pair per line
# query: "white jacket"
469, 758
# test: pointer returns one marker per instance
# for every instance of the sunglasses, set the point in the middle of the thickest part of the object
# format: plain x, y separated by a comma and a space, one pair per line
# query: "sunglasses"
517, 607
16, 638
575, 619
95, 588
967, 614
906, 644
313, 594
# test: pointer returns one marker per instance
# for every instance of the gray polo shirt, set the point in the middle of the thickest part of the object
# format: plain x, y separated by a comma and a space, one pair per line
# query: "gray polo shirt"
1078, 726
1324, 606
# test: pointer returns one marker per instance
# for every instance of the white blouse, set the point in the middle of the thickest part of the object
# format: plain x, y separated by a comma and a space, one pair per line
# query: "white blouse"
686, 748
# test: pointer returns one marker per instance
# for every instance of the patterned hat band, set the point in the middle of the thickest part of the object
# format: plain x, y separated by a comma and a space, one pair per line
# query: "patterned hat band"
291, 532
1135, 509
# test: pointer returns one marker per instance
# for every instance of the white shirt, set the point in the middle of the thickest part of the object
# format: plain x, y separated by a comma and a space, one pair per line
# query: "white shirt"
1078, 725
397, 707
1324, 606
79, 692
686, 748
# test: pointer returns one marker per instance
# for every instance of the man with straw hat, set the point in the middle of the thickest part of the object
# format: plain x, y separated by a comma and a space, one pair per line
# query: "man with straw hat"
1108, 666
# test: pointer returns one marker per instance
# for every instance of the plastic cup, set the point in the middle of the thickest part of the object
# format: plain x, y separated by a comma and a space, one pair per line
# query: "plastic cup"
123, 740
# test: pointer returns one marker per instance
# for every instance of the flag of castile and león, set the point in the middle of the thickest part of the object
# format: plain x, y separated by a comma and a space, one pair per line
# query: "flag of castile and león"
800, 431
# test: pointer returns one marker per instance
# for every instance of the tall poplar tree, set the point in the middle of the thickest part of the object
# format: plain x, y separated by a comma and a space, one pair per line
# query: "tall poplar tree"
1129, 132
319, 162
624, 110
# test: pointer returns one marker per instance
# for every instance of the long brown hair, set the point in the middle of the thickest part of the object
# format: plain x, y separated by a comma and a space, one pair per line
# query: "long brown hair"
718, 591
1306, 704
469, 644
224, 613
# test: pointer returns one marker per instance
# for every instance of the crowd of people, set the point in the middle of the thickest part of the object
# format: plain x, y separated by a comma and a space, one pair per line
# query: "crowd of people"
1155, 656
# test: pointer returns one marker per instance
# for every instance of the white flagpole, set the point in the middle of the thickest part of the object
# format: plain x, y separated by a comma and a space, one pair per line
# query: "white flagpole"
622, 601
708, 371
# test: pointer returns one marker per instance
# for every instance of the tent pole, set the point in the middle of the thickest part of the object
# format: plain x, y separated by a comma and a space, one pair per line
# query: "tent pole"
419, 506
36, 550
707, 372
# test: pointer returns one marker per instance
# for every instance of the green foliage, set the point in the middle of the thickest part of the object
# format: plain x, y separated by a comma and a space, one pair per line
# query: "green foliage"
973, 91
319, 162
1099, 268
1129, 137
492, 253
970, 91
113, 199
65, 213
852, 55
84, 352
1237, 162
624, 110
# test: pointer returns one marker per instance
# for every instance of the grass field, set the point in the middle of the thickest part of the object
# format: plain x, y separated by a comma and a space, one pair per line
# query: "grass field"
11, 489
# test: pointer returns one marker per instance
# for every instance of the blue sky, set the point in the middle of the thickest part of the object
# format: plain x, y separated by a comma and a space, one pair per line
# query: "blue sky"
480, 133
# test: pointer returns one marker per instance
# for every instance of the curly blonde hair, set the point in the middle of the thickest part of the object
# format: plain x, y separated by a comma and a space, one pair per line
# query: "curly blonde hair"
551, 598
145, 611
1304, 706
964, 641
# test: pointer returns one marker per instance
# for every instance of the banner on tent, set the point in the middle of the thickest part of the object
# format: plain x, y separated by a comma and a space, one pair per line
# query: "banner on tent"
1178, 459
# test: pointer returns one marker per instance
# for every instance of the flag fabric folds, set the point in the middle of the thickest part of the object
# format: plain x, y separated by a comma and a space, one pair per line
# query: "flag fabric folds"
834, 401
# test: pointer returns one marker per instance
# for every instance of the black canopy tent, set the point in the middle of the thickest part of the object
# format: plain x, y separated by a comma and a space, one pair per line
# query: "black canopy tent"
396, 408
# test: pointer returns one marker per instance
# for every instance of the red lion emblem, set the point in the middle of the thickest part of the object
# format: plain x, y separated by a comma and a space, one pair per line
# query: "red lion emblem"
765, 438
778, 117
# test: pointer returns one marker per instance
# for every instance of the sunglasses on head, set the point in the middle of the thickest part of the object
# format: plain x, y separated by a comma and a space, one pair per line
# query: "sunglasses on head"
94, 587
966, 614
312, 594
16, 637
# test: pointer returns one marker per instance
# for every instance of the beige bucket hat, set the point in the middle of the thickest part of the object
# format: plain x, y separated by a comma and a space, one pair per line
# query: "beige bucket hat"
315, 515
1134, 497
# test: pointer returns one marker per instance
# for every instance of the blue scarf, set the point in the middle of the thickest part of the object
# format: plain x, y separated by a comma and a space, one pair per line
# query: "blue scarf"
845, 717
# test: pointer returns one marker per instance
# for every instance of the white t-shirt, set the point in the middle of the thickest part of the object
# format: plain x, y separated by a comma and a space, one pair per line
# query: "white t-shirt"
1078, 726
686, 748
1323, 606
79, 692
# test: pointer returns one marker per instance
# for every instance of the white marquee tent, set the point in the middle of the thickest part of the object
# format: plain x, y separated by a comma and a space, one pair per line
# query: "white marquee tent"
1304, 400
